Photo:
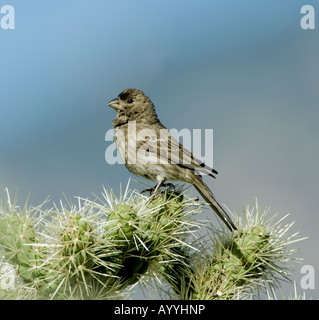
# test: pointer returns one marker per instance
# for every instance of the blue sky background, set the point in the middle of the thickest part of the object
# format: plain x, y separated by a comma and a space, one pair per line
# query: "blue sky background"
243, 68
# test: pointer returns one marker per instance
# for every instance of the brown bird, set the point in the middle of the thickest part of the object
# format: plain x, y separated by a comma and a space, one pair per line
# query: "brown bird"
149, 150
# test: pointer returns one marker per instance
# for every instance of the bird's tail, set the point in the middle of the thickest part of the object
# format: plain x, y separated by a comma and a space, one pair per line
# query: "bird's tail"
210, 199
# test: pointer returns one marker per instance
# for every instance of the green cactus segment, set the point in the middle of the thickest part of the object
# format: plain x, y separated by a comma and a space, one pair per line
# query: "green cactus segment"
253, 246
167, 218
17, 237
169, 204
119, 232
165, 235
47, 287
15, 232
244, 257
77, 240
237, 262
140, 239
120, 225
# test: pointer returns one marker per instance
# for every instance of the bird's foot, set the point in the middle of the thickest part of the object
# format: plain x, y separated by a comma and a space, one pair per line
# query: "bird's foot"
167, 186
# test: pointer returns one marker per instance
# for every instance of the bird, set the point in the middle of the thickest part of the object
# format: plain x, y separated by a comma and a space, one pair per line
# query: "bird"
148, 149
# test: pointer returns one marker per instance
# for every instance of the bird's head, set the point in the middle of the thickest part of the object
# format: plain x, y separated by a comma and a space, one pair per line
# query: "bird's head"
133, 104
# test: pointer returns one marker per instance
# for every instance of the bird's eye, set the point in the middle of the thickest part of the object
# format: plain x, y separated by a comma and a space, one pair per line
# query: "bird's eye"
129, 100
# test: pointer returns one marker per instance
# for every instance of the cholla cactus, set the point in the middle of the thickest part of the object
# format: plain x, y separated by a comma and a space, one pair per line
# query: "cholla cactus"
99, 248
252, 258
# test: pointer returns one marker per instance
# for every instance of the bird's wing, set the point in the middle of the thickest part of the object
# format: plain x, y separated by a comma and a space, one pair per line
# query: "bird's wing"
182, 156
164, 148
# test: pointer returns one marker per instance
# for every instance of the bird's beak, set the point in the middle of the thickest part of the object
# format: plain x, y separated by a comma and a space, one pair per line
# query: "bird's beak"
115, 104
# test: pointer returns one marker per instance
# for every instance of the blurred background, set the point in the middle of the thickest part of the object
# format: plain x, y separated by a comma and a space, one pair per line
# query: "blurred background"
243, 68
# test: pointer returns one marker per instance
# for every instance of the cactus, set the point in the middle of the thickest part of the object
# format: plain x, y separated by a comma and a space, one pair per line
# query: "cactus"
251, 258
101, 248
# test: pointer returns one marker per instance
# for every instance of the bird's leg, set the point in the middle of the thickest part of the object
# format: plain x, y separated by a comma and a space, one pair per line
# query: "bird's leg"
155, 190
159, 184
